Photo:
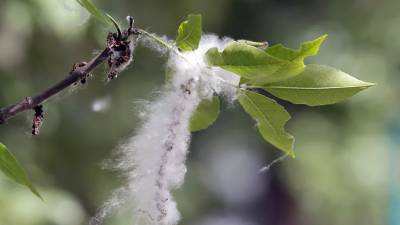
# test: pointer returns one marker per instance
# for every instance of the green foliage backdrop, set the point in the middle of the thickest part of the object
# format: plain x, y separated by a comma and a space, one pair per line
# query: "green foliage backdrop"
342, 148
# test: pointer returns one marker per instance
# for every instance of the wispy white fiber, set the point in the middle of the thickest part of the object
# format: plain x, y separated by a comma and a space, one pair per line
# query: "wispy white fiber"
277, 160
149, 43
153, 160
101, 104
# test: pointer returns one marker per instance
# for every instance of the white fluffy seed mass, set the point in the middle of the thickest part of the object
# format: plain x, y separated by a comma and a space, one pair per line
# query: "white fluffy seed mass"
153, 160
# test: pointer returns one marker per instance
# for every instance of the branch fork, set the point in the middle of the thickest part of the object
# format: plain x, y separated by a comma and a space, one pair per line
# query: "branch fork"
118, 54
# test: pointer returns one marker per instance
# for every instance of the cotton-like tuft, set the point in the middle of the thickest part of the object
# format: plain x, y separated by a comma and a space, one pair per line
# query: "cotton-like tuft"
153, 160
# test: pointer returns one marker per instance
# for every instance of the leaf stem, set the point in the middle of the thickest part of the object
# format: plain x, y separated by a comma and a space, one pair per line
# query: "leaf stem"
162, 42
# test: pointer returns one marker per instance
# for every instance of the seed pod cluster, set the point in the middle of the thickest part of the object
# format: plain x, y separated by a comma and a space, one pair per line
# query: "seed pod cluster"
122, 45
37, 119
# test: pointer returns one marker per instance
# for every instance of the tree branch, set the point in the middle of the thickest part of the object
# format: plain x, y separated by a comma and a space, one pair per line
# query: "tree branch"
31, 102
79, 73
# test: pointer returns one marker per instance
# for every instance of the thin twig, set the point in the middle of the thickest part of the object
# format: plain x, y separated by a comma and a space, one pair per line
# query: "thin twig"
29, 103
164, 43
78, 73
74, 76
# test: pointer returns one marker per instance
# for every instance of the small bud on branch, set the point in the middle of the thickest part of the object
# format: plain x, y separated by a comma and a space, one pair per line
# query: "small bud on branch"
118, 53
37, 119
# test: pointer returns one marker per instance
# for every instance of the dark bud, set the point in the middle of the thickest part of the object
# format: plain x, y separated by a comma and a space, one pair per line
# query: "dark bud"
130, 21
37, 119
84, 76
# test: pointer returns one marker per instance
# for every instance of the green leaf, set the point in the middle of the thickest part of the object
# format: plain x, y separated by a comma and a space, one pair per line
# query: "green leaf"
245, 60
294, 60
205, 114
317, 85
271, 119
12, 169
189, 33
306, 49
98, 14
257, 66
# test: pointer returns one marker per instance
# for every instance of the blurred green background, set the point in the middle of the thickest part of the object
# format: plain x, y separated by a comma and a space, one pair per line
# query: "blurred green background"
347, 166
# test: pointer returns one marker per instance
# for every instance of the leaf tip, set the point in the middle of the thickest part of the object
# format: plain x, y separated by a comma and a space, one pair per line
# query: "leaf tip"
13, 170
321, 39
36, 192
314, 45
369, 84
